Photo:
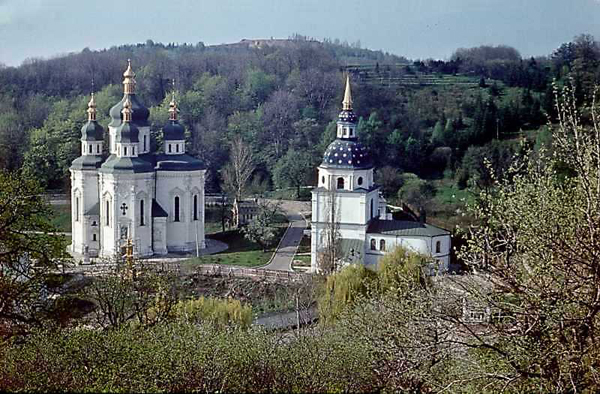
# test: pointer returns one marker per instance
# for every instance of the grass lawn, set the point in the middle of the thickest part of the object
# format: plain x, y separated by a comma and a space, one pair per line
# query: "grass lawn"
61, 217
241, 252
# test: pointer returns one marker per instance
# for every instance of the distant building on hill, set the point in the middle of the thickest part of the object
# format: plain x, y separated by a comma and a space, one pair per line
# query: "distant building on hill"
156, 199
348, 202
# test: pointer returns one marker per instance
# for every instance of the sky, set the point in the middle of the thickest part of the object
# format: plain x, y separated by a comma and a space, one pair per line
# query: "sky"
416, 29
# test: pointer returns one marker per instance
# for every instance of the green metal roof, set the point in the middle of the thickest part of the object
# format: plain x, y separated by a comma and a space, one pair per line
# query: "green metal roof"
405, 228
94, 210
347, 246
87, 162
126, 164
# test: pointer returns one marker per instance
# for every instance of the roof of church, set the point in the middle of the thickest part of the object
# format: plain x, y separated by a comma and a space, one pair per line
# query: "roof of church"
181, 162
157, 210
352, 248
347, 153
127, 132
94, 210
87, 162
173, 131
139, 114
92, 131
405, 228
138, 164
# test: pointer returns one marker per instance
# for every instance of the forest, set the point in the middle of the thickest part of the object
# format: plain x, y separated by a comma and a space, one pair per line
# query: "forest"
429, 122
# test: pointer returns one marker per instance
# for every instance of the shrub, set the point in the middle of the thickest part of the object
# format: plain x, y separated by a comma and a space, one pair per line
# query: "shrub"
218, 312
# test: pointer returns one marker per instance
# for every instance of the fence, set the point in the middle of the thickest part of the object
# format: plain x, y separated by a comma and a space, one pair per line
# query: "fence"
253, 273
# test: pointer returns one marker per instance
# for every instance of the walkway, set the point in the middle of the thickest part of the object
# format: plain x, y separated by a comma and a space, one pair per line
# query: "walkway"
286, 250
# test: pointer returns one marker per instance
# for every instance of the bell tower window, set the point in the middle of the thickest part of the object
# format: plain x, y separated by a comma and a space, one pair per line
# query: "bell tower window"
176, 203
145, 142
196, 207
141, 212
340, 183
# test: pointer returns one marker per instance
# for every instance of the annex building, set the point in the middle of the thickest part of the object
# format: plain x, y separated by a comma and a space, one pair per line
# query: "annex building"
348, 202
155, 199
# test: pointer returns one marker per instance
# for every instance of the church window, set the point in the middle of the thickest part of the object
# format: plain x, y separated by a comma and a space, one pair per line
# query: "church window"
177, 148
94, 237
373, 244
145, 142
382, 245
97, 148
141, 212
76, 209
340, 183
133, 150
438, 247
371, 208
360, 180
107, 213
176, 203
124, 151
196, 207
90, 148
169, 148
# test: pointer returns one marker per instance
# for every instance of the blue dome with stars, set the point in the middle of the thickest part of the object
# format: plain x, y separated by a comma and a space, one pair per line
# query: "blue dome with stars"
347, 153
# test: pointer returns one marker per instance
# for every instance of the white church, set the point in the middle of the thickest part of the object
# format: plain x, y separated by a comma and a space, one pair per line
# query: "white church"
154, 199
365, 229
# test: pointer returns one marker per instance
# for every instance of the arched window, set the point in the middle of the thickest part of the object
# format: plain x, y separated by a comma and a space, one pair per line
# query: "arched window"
359, 181
340, 183
382, 245
124, 151
371, 208
169, 148
108, 213
196, 207
438, 247
373, 244
90, 148
145, 142
76, 209
133, 150
177, 148
97, 148
141, 212
94, 237
176, 208
323, 180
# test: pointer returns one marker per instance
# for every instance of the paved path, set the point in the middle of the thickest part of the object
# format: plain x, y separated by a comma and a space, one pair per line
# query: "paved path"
286, 320
283, 256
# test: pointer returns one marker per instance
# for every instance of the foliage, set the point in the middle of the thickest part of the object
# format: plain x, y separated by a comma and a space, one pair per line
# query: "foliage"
292, 170
219, 312
28, 252
262, 229
415, 191
537, 245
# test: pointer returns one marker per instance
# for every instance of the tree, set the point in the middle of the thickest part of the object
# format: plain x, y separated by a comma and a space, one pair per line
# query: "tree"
239, 170
29, 252
329, 254
538, 249
262, 228
292, 170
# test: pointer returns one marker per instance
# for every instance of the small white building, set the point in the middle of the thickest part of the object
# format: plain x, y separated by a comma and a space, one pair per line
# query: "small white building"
156, 199
347, 196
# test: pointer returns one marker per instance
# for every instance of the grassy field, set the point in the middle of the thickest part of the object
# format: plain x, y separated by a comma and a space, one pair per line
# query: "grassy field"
241, 252
61, 217
447, 207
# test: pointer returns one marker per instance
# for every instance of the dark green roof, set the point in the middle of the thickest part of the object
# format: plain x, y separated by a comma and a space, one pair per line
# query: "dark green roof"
177, 163
157, 210
139, 115
127, 133
173, 131
92, 131
405, 228
127, 164
87, 162
347, 246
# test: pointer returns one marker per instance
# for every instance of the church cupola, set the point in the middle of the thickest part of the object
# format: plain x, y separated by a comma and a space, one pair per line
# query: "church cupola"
173, 131
346, 124
92, 134
127, 134
139, 114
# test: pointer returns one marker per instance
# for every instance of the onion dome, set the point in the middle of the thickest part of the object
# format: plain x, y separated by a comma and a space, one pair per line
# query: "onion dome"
173, 130
347, 153
92, 131
127, 132
140, 113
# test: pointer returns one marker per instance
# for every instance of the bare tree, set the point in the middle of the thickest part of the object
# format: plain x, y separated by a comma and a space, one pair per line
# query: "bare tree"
329, 255
237, 173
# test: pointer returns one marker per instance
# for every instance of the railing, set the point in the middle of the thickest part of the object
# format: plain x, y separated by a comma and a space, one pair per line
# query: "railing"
254, 273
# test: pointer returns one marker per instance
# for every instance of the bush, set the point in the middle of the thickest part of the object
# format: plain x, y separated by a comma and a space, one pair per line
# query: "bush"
218, 312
